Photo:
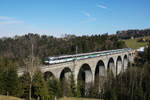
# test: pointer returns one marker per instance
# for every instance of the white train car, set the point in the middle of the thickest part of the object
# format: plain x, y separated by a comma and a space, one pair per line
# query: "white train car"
67, 58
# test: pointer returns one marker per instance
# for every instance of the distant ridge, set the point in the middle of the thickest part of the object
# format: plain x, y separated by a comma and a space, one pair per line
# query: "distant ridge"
133, 33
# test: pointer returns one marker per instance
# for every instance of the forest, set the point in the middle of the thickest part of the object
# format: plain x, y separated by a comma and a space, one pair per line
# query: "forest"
18, 48
133, 84
135, 33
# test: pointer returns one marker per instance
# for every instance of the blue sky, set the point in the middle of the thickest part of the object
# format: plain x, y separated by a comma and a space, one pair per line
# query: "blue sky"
79, 17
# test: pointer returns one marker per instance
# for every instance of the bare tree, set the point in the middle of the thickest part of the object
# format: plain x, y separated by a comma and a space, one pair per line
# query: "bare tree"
31, 66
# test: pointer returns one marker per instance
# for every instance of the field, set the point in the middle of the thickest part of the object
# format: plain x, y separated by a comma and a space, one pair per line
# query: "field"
71, 98
65, 98
8, 98
132, 43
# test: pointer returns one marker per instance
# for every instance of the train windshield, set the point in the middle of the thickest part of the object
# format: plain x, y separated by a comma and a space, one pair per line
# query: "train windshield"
46, 59
49, 58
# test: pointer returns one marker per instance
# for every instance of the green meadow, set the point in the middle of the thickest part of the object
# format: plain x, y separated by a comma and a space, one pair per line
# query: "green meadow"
132, 43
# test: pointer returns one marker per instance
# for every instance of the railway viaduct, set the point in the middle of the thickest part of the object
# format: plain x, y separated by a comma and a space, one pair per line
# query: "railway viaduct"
89, 68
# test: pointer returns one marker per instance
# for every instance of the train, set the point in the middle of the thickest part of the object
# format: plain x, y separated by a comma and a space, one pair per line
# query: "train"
68, 58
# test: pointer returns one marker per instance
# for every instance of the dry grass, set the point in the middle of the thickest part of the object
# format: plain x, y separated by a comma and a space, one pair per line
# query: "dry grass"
65, 98
71, 98
9, 98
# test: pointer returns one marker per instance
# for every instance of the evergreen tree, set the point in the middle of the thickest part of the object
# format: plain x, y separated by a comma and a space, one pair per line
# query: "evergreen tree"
25, 84
73, 85
81, 88
1, 75
78, 90
54, 88
9, 79
39, 86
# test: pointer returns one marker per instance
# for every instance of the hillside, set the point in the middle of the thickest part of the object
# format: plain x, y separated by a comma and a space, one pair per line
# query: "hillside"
127, 34
132, 43
9, 98
65, 98
19, 47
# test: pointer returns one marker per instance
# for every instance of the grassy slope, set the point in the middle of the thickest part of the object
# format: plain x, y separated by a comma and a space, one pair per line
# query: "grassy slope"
71, 98
65, 98
8, 98
132, 43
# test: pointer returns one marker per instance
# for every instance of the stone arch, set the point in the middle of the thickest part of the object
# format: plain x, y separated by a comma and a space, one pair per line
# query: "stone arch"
100, 69
111, 67
48, 75
85, 77
133, 54
65, 73
65, 81
125, 62
99, 75
119, 66
130, 56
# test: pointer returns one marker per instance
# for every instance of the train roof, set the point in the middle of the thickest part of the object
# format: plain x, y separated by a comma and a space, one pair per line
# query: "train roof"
84, 54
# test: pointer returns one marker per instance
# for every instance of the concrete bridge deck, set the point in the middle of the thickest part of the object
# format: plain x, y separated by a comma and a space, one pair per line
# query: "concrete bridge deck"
90, 67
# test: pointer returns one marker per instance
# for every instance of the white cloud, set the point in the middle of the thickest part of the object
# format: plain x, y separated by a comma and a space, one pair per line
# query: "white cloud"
5, 18
8, 20
11, 22
101, 6
90, 18
9, 25
86, 14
